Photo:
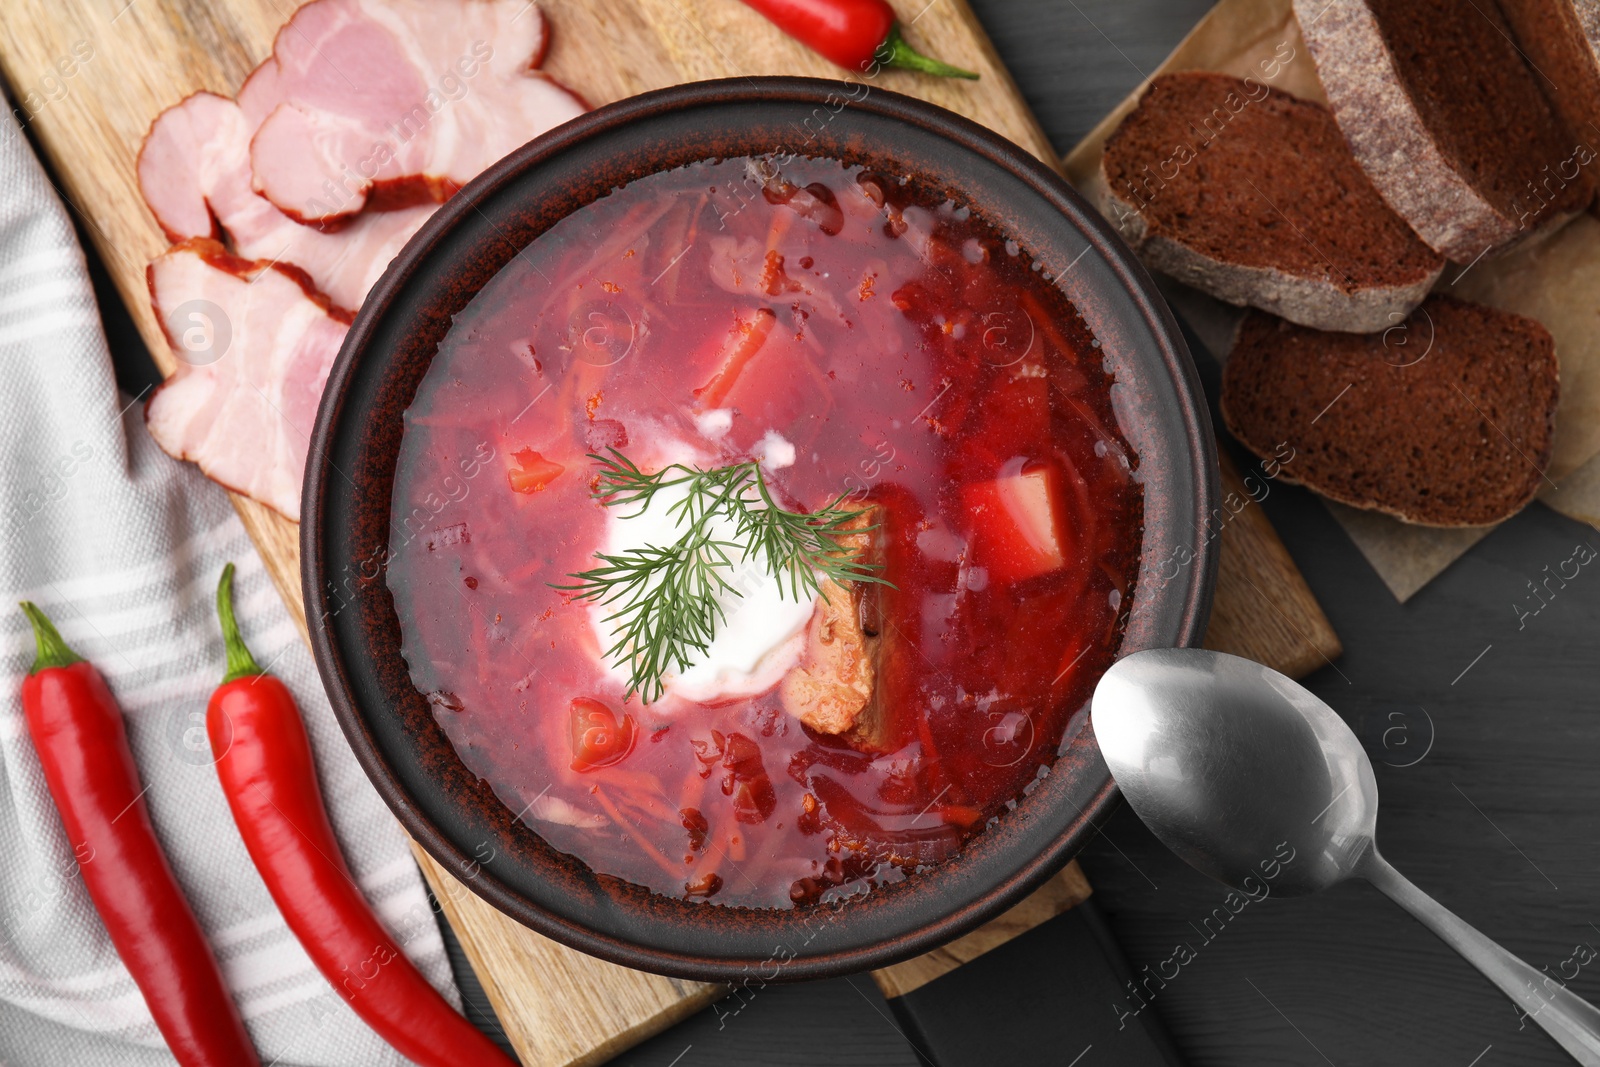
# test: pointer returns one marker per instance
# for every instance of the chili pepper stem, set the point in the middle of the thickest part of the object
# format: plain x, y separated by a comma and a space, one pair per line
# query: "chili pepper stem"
241, 664
895, 52
53, 651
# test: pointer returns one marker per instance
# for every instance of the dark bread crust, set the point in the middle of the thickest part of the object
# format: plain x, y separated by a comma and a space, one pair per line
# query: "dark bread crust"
1561, 38
1445, 420
1446, 117
1252, 195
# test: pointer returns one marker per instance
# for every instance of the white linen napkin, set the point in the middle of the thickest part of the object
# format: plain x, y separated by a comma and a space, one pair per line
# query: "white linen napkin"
122, 547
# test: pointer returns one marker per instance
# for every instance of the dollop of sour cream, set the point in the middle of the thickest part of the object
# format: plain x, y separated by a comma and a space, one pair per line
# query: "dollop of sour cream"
714, 424
774, 451
762, 632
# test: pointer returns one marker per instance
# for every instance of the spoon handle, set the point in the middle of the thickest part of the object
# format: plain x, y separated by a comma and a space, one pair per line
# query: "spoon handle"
1565, 1016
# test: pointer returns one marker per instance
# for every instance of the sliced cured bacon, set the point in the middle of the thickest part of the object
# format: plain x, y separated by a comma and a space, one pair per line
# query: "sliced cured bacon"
438, 89
255, 342
194, 172
389, 103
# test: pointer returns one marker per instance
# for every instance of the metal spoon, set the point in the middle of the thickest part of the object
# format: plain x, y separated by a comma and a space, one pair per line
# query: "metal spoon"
1255, 782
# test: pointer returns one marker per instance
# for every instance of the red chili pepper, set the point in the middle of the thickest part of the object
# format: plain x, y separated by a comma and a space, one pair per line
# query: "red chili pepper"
264, 761
78, 731
853, 33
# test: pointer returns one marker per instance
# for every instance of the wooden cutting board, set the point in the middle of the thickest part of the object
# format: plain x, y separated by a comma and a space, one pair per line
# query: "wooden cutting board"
89, 75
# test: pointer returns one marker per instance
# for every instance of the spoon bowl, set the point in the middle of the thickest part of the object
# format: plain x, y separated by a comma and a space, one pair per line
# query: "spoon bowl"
1196, 743
1253, 780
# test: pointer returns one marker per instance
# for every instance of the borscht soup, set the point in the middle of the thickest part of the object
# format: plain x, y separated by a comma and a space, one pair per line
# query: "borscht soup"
760, 532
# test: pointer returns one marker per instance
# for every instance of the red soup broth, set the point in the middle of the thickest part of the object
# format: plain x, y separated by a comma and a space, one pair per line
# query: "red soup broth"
916, 359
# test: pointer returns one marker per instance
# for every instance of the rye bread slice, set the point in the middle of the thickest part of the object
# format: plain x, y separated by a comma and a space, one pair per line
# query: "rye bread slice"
1446, 117
1444, 420
1252, 195
1561, 39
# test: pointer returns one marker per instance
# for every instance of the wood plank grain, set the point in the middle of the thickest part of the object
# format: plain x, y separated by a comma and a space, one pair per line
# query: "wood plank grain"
1264, 610
558, 1006
566, 1007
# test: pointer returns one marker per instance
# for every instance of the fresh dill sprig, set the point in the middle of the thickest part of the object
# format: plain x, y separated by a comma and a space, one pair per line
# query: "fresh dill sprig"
668, 598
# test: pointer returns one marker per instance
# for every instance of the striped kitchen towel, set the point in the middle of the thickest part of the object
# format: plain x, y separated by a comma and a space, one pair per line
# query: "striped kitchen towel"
122, 547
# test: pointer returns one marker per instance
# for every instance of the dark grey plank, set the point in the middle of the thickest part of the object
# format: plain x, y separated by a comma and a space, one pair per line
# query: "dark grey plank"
1074, 60
843, 1022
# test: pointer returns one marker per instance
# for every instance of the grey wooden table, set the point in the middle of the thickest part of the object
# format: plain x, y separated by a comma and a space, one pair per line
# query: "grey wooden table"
1498, 818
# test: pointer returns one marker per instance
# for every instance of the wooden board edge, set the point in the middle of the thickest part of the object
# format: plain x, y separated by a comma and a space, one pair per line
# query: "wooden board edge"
446, 888
1061, 893
1286, 630
999, 72
450, 892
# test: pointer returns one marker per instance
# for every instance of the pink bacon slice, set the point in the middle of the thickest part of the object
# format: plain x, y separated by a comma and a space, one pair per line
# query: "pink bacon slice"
385, 104
255, 342
449, 85
194, 172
